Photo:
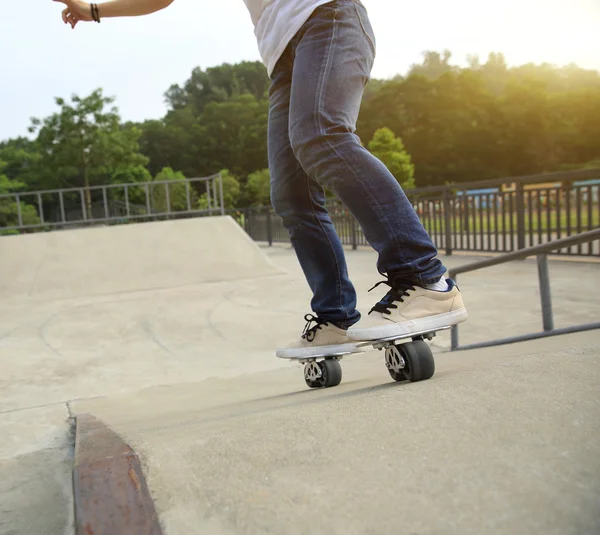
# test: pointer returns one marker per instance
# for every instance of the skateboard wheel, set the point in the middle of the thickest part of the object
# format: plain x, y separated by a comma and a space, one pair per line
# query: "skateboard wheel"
395, 363
419, 362
323, 374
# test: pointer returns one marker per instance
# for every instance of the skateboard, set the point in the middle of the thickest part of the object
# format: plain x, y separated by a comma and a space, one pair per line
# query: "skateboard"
407, 358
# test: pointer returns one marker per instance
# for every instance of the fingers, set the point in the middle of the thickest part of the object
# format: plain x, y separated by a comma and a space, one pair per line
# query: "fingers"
69, 17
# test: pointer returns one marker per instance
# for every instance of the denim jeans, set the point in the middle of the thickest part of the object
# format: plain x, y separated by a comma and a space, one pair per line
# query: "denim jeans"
315, 96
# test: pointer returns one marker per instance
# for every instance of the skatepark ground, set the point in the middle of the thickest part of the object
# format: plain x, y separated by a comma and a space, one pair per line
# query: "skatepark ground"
165, 333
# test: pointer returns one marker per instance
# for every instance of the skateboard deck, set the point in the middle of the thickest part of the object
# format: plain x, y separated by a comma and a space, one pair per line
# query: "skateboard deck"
407, 357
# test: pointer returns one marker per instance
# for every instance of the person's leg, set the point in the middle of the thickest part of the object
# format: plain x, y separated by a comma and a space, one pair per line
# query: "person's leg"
334, 53
300, 202
332, 58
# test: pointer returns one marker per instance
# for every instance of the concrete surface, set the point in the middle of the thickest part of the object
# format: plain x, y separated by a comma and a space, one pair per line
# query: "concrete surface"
499, 441
127, 258
495, 444
36, 458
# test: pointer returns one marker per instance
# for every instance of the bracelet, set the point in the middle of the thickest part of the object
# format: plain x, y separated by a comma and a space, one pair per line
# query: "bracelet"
95, 13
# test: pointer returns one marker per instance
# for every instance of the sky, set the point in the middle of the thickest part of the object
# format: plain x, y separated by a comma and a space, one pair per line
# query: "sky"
135, 60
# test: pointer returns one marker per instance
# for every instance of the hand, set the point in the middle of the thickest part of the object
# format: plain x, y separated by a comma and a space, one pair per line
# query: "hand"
76, 11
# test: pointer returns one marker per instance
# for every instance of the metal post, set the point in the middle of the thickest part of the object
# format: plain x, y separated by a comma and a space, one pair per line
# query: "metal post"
520, 216
168, 197
353, 230
269, 228
127, 200
454, 330
247, 220
454, 338
41, 207
105, 200
83, 210
448, 230
214, 187
62, 207
208, 197
221, 194
546, 298
187, 196
148, 211
19, 214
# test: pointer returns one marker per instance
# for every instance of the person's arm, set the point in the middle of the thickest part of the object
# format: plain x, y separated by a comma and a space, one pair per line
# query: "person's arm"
131, 8
77, 10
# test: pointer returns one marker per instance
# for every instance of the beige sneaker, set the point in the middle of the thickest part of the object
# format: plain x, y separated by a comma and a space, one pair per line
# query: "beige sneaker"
321, 339
411, 309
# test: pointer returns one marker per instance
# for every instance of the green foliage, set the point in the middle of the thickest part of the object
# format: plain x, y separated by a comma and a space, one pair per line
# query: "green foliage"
258, 188
390, 150
489, 121
231, 192
21, 160
434, 65
231, 189
177, 195
6, 184
9, 208
232, 135
83, 144
131, 175
219, 84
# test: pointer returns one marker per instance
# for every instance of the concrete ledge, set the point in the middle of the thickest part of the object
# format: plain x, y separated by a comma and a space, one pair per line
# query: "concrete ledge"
110, 492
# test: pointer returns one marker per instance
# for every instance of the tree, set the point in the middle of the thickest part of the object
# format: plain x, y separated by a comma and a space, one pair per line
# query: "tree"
84, 144
20, 157
232, 135
171, 197
231, 192
390, 150
219, 84
434, 65
131, 175
9, 209
488, 120
168, 142
258, 188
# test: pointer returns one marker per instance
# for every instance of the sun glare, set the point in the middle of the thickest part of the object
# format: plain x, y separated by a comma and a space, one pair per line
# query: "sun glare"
538, 31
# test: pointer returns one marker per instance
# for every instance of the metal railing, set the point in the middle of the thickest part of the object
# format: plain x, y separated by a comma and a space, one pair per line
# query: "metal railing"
497, 216
541, 253
115, 203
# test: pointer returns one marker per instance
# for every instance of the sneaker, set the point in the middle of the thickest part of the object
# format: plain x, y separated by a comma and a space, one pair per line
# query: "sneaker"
322, 338
408, 309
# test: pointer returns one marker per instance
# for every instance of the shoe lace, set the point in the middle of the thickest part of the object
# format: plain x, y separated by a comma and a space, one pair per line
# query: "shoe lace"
397, 293
310, 332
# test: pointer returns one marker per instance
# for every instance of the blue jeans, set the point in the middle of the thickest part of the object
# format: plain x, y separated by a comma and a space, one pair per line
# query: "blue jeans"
315, 96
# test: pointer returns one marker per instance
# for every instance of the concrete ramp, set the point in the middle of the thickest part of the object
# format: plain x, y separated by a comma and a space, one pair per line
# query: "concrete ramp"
127, 258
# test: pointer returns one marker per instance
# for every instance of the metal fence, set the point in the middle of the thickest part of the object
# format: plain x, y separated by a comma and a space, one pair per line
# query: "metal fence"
111, 204
500, 215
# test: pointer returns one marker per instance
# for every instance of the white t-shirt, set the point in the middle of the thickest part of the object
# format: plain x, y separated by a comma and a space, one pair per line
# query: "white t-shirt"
276, 22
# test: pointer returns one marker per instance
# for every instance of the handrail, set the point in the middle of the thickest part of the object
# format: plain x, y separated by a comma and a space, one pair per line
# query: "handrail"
575, 239
541, 253
111, 186
88, 216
